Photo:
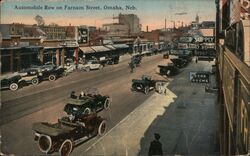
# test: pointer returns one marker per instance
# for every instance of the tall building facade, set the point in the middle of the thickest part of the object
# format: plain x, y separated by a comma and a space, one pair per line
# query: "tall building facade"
132, 21
233, 48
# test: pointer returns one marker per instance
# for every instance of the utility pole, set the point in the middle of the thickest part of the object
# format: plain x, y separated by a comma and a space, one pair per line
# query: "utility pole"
165, 23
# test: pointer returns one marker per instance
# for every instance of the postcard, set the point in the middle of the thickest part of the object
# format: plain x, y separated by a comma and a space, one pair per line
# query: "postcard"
118, 77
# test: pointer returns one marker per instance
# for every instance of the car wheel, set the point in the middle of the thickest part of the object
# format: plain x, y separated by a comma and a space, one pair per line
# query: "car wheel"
168, 72
87, 69
45, 143
52, 78
107, 103
13, 86
100, 67
35, 81
146, 90
66, 148
102, 128
87, 111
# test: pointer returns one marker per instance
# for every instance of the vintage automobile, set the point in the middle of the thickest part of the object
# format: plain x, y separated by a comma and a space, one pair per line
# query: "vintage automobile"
113, 60
87, 104
187, 57
51, 74
179, 62
11, 82
30, 76
67, 133
46, 72
90, 65
145, 84
136, 59
168, 70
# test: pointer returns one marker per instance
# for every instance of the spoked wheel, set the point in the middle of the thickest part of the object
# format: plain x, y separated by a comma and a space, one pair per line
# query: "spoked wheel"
35, 81
102, 128
45, 143
66, 148
14, 86
107, 103
87, 69
146, 90
52, 78
87, 111
100, 67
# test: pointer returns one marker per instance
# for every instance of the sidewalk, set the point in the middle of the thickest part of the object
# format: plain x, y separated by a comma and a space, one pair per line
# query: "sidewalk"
187, 119
124, 138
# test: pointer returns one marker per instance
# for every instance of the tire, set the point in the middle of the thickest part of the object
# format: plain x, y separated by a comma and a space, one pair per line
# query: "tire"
44, 143
52, 78
146, 90
87, 69
66, 148
13, 86
87, 111
35, 81
168, 72
106, 103
102, 128
100, 67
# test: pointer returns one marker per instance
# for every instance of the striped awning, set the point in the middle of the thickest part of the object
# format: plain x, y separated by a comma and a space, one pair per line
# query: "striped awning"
119, 46
87, 50
100, 48
111, 47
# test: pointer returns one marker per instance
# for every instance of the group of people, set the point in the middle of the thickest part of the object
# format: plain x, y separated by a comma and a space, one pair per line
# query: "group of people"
73, 96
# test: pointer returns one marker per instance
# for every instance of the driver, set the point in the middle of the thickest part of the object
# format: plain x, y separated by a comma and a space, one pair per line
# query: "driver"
71, 117
82, 94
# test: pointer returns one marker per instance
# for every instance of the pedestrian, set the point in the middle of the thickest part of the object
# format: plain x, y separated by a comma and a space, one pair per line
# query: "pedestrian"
196, 60
132, 66
72, 95
155, 147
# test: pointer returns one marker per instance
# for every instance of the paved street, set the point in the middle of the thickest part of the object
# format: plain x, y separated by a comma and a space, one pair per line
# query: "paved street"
45, 102
186, 117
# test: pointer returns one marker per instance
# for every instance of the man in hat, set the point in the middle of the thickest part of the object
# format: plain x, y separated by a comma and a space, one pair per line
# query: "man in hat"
155, 146
72, 95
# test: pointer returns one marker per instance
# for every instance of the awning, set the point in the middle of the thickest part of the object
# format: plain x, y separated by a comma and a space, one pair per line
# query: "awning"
120, 46
111, 47
100, 48
87, 50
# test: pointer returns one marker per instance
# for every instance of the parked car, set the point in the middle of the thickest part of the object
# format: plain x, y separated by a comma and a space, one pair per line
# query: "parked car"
145, 84
113, 60
51, 74
87, 104
90, 65
168, 70
30, 76
67, 133
179, 62
47, 72
11, 82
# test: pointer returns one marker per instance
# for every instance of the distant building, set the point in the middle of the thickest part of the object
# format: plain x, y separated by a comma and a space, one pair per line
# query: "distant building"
207, 24
116, 29
54, 32
130, 20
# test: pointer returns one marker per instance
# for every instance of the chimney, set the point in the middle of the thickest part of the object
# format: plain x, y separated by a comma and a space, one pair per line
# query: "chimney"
147, 28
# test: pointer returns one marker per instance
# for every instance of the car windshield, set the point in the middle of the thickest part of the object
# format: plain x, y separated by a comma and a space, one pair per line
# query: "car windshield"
145, 77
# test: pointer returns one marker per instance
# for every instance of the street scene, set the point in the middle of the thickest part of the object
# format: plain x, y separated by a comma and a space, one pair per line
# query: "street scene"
108, 78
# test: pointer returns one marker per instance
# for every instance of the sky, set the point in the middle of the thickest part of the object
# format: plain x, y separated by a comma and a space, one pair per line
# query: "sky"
152, 13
